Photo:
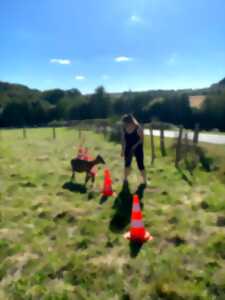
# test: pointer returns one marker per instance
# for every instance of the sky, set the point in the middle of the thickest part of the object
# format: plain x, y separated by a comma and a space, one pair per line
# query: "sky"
120, 44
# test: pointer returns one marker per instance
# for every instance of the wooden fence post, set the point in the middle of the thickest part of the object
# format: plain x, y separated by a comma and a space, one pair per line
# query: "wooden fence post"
105, 132
53, 133
195, 147
96, 128
24, 133
162, 142
186, 146
79, 133
153, 156
178, 147
196, 135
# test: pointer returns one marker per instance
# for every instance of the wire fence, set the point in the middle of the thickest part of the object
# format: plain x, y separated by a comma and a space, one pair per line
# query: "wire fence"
183, 146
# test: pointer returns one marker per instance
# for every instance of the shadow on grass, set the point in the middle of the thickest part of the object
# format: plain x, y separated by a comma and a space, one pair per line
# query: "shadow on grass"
135, 248
74, 187
122, 206
28, 184
103, 199
184, 176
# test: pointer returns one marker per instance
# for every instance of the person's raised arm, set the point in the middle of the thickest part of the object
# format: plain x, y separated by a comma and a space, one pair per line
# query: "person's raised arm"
140, 132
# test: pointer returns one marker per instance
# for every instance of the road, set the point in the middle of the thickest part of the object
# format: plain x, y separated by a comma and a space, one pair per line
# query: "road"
203, 137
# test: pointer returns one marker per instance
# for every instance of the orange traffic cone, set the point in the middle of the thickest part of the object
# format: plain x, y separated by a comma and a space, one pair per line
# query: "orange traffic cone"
107, 189
137, 232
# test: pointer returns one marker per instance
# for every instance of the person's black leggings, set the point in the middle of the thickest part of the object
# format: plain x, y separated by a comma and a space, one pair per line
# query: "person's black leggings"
139, 155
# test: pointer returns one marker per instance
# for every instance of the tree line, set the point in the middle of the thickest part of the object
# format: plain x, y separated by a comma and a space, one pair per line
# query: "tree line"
21, 106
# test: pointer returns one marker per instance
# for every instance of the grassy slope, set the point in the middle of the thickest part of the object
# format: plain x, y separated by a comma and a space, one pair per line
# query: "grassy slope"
61, 243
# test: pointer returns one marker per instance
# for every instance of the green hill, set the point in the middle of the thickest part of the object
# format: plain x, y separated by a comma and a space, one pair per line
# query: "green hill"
23, 107
17, 93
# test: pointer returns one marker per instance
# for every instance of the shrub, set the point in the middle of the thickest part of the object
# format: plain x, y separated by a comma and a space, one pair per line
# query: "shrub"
115, 133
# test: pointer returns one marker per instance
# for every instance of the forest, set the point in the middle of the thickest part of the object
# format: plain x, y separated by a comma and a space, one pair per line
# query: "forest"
21, 106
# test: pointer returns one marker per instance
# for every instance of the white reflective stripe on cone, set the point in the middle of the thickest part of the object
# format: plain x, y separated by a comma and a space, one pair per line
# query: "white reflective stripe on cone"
137, 224
136, 207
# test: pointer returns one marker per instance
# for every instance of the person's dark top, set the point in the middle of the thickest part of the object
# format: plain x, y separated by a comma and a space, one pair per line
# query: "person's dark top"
131, 138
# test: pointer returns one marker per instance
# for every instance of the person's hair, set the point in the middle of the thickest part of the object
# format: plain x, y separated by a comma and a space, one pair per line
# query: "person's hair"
130, 119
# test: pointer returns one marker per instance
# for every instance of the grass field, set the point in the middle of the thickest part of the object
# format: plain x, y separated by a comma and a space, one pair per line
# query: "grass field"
60, 241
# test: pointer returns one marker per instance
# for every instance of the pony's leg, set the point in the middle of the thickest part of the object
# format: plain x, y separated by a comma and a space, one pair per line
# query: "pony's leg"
92, 179
87, 178
73, 175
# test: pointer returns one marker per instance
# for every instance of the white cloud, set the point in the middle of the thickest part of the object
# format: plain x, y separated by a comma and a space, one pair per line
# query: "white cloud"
123, 59
172, 60
135, 19
60, 61
105, 77
80, 77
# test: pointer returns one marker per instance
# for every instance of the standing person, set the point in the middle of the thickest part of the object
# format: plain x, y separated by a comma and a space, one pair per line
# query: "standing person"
132, 145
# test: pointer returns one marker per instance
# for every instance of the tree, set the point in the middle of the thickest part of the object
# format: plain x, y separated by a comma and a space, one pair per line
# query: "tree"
213, 112
100, 104
39, 114
53, 96
16, 114
171, 109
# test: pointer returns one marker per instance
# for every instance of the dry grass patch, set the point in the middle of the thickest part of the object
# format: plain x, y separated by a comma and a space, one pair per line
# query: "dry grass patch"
196, 101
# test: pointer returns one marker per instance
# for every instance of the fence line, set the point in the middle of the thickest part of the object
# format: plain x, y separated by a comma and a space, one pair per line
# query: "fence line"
162, 142
153, 156
182, 147
178, 147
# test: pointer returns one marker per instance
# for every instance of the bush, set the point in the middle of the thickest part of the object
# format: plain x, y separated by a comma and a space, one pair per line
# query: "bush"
90, 123
158, 125
59, 123
115, 133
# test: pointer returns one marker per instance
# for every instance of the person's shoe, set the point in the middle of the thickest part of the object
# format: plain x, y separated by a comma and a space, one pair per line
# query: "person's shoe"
144, 185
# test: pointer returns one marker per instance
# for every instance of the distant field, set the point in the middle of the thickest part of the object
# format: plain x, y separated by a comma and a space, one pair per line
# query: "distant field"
59, 241
196, 101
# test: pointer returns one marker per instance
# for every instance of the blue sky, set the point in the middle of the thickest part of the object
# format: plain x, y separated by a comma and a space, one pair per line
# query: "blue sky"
121, 44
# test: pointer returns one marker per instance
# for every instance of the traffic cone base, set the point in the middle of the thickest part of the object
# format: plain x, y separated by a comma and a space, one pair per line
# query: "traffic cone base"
108, 193
137, 230
147, 237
